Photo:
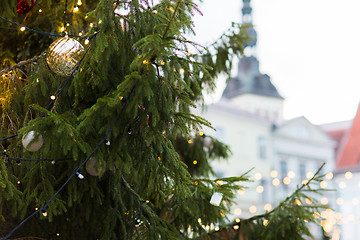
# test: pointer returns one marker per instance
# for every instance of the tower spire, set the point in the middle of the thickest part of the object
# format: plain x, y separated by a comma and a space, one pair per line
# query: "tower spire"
247, 20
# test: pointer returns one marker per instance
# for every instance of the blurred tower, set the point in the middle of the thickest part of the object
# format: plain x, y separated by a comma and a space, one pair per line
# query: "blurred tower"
251, 90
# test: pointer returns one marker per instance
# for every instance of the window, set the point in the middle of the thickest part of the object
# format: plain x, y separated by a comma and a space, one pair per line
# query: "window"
302, 171
283, 169
261, 147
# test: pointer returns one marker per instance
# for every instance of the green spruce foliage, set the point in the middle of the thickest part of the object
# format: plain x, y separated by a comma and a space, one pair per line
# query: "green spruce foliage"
134, 88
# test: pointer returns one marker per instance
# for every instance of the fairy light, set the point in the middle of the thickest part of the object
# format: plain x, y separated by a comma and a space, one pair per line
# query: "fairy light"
162, 64
217, 229
305, 182
237, 220
348, 175
236, 227
52, 97
276, 182
86, 41
200, 133
62, 29
258, 176
274, 173
329, 175
297, 202
195, 162
36, 208
339, 201
44, 213
316, 215
323, 184
309, 175
237, 211
18, 182
291, 174
308, 201
286, 180
266, 222
219, 182
22, 29
189, 141
267, 207
241, 191
199, 220
355, 201
91, 24
58, 234
76, 9
100, 21
324, 201
342, 184
252, 209
259, 189
40, 10
79, 3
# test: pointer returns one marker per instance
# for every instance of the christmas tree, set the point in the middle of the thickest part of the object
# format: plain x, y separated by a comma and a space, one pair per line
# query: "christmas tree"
97, 137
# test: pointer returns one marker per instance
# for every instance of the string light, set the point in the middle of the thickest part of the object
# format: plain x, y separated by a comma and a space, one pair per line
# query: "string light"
267, 207
237, 211
308, 201
258, 176
339, 201
62, 29
195, 162
241, 191
323, 184
217, 229
348, 175
342, 184
79, 3
189, 141
309, 175
259, 189
86, 41
236, 227
237, 220
274, 173
297, 202
200, 133
324, 201
22, 29
252, 209
52, 97
291, 174
286, 180
40, 10
355, 201
266, 222
76, 9
276, 182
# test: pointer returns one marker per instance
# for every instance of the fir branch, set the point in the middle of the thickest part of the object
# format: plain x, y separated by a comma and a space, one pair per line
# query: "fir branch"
172, 18
297, 191
19, 64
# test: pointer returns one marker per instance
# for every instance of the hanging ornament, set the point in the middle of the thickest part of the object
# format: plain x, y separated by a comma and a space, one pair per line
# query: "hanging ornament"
216, 199
24, 7
94, 168
64, 55
32, 141
207, 142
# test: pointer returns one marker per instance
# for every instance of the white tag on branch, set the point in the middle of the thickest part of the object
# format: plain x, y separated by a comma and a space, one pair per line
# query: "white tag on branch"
216, 199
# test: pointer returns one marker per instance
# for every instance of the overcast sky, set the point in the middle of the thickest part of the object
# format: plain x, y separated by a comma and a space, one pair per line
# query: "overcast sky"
310, 49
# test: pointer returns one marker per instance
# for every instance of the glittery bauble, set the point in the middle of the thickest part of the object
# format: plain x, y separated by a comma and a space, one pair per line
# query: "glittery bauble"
32, 141
23, 6
64, 55
94, 167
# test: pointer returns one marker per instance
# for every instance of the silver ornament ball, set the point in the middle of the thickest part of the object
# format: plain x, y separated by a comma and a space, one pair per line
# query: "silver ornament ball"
32, 141
94, 167
64, 55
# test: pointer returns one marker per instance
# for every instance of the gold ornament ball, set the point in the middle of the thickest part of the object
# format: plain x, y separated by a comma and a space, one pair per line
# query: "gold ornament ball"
94, 167
64, 55
32, 141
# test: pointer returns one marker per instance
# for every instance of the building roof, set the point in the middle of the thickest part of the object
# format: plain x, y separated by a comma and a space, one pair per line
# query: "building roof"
250, 81
349, 149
